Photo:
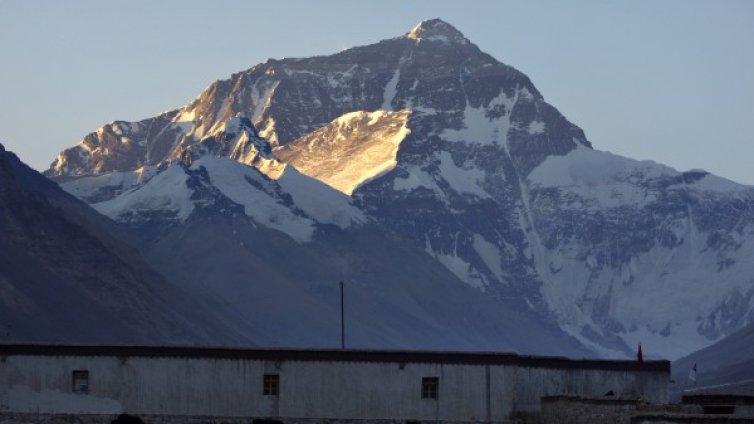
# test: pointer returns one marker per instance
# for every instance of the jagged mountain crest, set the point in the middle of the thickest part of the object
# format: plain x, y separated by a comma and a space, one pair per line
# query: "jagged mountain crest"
235, 138
437, 30
391, 75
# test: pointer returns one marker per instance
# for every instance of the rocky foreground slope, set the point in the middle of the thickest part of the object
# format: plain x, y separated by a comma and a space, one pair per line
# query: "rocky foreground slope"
424, 142
67, 275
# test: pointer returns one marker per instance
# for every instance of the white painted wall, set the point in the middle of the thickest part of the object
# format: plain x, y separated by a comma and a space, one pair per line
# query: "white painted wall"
308, 389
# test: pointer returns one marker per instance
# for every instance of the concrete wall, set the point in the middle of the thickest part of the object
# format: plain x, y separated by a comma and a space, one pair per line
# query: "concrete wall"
230, 387
311, 389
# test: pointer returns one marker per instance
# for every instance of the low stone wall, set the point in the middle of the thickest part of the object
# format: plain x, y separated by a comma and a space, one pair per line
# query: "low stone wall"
743, 404
30, 418
605, 410
690, 419
595, 418
572, 410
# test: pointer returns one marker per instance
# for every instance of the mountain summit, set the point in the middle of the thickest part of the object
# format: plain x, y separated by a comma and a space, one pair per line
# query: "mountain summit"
424, 145
436, 30
287, 99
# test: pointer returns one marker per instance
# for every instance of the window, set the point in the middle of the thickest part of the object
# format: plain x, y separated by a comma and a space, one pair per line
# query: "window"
80, 381
429, 387
271, 384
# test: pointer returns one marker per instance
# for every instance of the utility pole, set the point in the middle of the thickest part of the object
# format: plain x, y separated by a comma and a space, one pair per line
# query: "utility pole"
342, 320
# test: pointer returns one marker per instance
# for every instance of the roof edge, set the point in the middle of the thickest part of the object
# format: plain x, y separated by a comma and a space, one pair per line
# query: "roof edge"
335, 355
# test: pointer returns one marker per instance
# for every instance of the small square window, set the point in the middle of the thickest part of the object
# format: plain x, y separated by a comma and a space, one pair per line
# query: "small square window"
429, 387
271, 384
80, 381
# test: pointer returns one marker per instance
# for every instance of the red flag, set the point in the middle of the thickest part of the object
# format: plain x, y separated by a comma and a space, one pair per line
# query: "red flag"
639, 356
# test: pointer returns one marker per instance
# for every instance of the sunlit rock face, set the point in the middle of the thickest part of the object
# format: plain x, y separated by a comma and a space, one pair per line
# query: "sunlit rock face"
351, 150
426, 138
433, 70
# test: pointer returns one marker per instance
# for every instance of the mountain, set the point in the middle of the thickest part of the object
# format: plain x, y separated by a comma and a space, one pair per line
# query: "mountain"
425, 142
66, 275
275, 251
727, 365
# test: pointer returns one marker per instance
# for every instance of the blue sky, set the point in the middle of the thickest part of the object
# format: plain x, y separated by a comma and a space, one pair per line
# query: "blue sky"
671, 81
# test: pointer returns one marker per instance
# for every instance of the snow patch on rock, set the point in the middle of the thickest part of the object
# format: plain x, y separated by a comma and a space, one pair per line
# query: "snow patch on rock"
479, 127
416, 178
240, 183
490, 254
461, 179
97, 186
536, 127
600, 179
166, 191
319, 200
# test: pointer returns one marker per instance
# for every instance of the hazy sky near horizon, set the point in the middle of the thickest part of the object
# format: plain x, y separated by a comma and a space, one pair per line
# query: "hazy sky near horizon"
671, 81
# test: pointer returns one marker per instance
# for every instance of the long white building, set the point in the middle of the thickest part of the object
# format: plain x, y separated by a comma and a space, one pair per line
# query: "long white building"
305, 384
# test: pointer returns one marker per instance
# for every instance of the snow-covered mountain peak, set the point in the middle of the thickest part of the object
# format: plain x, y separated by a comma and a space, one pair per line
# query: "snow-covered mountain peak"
234, 137
436, 30
461, 155
433, 70
293, 203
